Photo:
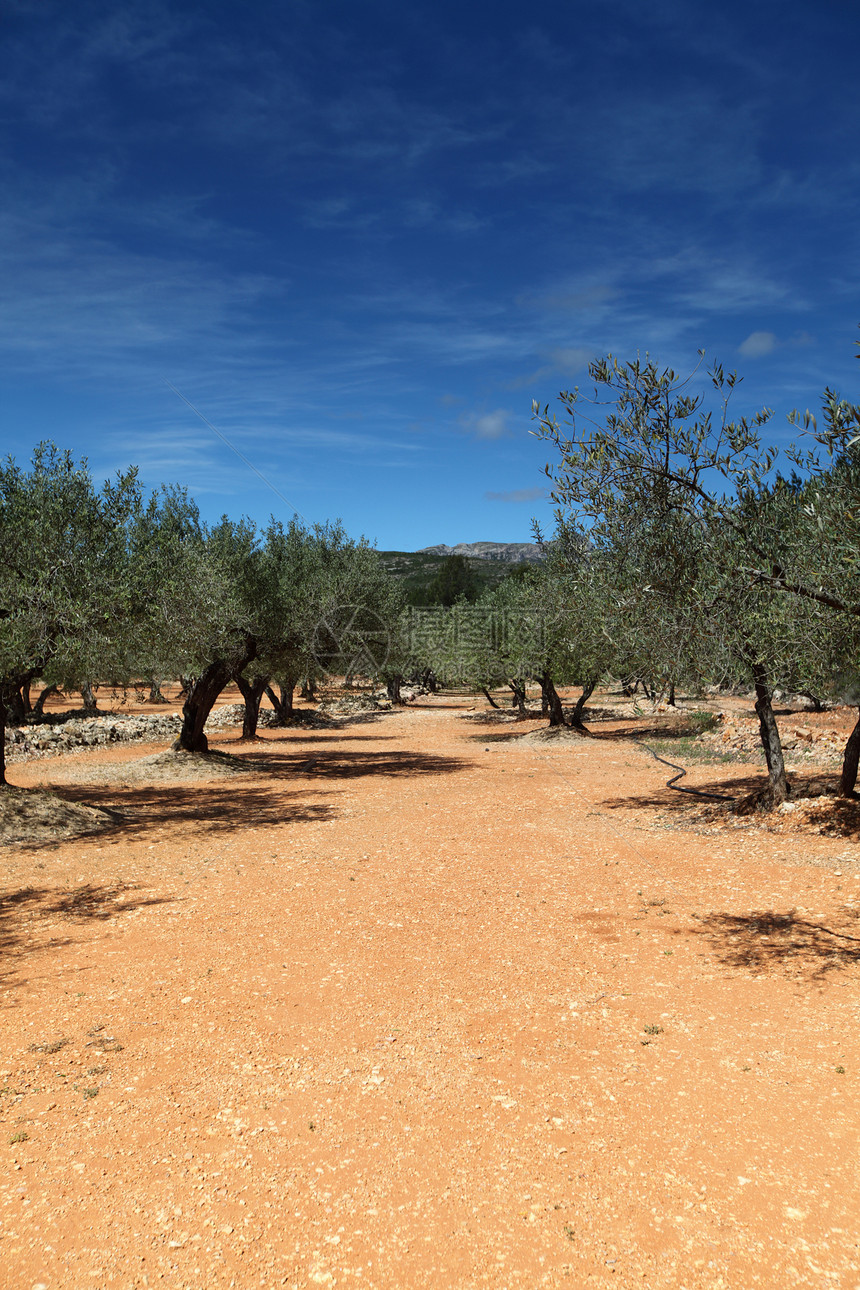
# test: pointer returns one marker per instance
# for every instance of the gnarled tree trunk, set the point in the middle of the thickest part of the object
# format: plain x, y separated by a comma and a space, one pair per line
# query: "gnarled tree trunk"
203, 690
202, 693
283, 705
519, 699
489, 697
26, 705
155, 695
850, 762
552, 701
252, 692
576, 720
778, 789
6, 692
39, 705
18, 696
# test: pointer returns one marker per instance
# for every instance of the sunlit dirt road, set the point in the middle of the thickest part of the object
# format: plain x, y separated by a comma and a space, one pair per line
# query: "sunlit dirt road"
422, 1002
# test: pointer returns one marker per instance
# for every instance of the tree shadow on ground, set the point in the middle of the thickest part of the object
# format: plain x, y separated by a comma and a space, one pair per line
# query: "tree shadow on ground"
627, 731
543, 734
506, 716
22, 911
329, 763
211, 808
319, 738
597, 714
807, 788
342, 720
813, 803
760, 941
835, 817
682, 803
636, 731
234, 803
497, 737
437, 707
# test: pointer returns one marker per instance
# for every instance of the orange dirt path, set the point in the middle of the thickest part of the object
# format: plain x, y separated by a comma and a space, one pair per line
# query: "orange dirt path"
417, 1003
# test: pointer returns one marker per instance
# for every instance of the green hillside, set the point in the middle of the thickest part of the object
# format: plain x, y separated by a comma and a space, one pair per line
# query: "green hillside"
417, 569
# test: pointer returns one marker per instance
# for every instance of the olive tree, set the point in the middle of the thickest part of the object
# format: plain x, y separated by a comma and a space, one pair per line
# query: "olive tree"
322, 601
661, 475
212, 594
66, 596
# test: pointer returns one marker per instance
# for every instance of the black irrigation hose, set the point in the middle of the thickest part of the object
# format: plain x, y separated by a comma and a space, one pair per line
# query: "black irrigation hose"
673, 782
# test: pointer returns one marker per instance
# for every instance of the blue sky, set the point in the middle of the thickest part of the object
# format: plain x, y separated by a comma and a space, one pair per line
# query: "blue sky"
361, 238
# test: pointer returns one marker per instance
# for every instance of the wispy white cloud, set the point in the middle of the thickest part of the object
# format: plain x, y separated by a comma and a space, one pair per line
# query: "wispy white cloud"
488, 425
567, 360
518, 495
757, 344
573, 300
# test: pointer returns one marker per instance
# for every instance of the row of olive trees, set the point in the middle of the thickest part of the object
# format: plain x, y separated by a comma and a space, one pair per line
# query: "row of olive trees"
537, 627
108, 584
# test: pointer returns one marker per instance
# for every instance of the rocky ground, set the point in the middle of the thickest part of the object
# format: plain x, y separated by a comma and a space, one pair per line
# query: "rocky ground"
66, 733
414, 1001
806, 737
72, 733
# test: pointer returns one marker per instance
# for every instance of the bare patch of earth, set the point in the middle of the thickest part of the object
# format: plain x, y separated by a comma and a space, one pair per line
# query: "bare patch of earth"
167, 767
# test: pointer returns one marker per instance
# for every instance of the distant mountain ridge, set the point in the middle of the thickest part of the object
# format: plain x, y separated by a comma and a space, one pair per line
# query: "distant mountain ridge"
490, 563
509, 552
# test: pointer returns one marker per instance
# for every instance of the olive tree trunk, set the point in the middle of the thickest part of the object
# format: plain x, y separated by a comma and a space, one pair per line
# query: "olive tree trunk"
519, 699
778, 789
203, 690
202, 694
26, 705
551, 699
850, 762
576, 716
252, 693
282, 704
4, 699
39, 705
155, 695
18, 696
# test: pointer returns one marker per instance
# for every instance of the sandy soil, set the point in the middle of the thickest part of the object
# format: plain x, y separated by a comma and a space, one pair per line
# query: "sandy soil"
419, 1002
